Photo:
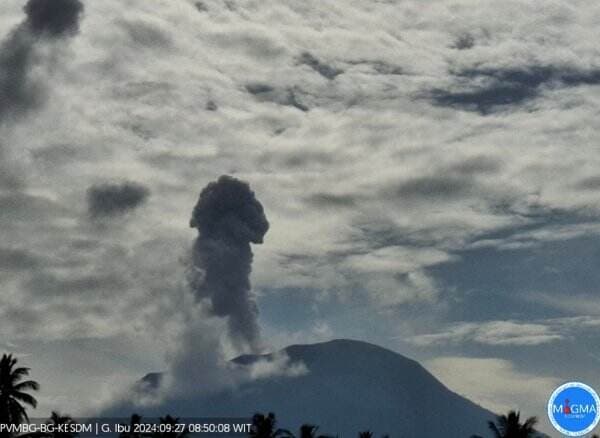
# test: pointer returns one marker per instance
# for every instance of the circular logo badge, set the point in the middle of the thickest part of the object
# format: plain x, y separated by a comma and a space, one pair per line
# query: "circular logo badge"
573, 409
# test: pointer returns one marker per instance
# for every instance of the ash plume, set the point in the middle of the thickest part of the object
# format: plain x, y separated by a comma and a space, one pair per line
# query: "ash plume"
228, 218
16, 93
108, 200
53, 18
46, 20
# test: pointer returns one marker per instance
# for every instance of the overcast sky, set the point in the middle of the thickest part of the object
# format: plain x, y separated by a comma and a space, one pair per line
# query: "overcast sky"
429, 170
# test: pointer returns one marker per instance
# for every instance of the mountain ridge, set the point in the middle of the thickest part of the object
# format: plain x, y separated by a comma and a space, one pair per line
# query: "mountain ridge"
348, 386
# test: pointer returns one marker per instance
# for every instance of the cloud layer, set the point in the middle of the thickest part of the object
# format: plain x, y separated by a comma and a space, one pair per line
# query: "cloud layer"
427, 168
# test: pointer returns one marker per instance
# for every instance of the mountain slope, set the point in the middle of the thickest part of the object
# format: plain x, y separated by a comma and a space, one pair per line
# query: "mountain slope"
355, 386
350, 386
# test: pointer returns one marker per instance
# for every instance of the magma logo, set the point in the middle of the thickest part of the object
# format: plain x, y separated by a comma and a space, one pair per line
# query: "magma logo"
573, 409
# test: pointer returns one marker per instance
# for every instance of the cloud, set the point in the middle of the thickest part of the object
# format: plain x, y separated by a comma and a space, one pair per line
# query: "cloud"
86, 285
330, 200
211, 106
198, 354
396, 259
17, 259
278, 365
325, 70
435, 187
578, 304
477, 165
540, 235
47, 22
494, 89
493, 333
107, 200
465, 42
509, 389
16, 205
46, 19
340, 181
201, 6
282, 96
589, 183
16, 93
146, 34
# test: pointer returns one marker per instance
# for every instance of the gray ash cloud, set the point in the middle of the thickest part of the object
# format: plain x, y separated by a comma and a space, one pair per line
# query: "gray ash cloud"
17, 93
107, 200
46, 20
53, 18
228, 218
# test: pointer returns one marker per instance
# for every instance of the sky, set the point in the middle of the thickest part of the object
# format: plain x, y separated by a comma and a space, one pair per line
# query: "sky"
428, 171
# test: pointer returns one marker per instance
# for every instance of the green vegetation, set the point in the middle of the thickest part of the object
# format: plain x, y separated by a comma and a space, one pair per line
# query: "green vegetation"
14, 392
510, 426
